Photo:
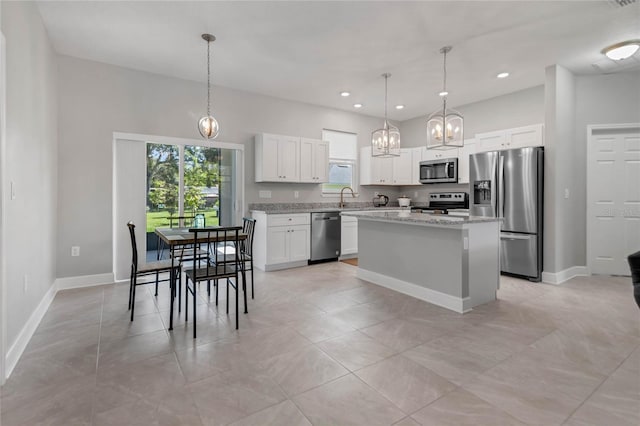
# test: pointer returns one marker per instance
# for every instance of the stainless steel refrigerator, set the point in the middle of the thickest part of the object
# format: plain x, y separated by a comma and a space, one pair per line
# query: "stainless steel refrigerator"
509, 184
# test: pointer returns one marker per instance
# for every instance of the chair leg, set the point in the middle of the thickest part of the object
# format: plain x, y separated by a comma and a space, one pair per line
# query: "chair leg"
133, 296
157, 279
186, 299
194, 311
130, 286
227, 295
209, 288
244, 290
251, 264
179, 291
237, 290
215, 284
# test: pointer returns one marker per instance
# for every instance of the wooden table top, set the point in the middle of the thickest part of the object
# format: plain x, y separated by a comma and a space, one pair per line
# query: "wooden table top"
178, 236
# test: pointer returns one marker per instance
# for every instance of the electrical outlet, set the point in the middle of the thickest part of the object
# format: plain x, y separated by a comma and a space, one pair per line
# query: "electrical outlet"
264, 194
13, 190
75, 251
566, 193
296, 194
415, 194
376, 193
25, 283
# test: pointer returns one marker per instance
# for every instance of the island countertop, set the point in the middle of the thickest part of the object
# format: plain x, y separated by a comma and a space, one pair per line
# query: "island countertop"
423, 219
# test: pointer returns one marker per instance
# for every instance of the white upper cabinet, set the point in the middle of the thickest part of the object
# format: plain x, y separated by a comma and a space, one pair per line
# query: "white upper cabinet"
402, 168
277, 158
314, 160
416, 158
437, 154
463, 160
375, 170
519, 137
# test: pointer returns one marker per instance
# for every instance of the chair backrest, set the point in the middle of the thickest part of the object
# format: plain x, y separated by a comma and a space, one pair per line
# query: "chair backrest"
213, 237
248, 226
134, 247
181, 221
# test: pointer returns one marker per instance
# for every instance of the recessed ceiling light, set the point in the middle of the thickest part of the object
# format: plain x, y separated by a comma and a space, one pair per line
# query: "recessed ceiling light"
345, 94
503, 75
443, 94
357, 105
622, 50
399, 106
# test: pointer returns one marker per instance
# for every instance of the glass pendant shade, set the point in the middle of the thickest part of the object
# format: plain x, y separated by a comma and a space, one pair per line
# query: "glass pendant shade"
385, 142
445, 127
208, 127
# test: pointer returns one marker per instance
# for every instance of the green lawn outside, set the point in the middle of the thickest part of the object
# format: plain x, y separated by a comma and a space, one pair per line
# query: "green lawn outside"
160, 219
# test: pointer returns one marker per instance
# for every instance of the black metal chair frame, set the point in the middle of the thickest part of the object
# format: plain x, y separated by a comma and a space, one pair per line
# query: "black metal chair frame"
149, 268
216, 267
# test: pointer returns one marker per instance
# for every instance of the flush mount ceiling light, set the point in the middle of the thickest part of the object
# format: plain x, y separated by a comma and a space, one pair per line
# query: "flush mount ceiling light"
357, 105
445, 126
208, 126
385, 142
503, 75
622, 50
345, 94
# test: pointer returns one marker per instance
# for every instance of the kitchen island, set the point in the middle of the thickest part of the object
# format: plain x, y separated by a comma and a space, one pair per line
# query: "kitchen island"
453, 262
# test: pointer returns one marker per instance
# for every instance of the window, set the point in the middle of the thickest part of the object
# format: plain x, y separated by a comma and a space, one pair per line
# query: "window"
343, 153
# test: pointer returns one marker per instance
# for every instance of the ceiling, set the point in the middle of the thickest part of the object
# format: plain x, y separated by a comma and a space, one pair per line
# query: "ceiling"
310, 51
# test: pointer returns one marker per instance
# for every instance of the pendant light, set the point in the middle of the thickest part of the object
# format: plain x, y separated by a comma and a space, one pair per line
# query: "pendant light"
445, 127
208, 126
385, 142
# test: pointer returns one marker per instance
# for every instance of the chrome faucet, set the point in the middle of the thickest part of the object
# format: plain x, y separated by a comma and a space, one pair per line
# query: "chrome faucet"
353, 195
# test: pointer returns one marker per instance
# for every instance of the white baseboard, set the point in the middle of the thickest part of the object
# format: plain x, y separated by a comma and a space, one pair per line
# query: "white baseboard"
453, 303
84, 281
15, 351
565, 275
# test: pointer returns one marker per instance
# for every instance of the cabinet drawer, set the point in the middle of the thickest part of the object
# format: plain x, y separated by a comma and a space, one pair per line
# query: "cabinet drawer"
288, 219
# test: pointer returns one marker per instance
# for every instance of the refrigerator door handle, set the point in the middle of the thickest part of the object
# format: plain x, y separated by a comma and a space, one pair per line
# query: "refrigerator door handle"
500, 198
514, 237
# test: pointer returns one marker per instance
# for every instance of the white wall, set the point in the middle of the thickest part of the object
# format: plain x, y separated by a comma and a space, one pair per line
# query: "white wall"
31, 149
512, 110
98, 99
600, 99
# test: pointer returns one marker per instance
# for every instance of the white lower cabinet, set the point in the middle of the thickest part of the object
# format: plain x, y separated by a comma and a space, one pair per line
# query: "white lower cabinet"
281, 240
349, 236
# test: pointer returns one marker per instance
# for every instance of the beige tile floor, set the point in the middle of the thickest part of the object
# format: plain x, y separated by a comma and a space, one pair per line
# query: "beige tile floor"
322, 347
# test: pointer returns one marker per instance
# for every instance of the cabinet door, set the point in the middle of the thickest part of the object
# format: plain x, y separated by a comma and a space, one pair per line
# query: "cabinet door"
321, 161
402, 172
307, 160
523, 137
463, 160
299, 244
288, 159
416, 158
437, 154
269, 158
349, 237
382, 170
277, 244
491, 141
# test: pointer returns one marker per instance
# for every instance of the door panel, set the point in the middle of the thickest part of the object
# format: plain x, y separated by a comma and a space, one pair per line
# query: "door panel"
518, 198
299, 243
519, 254
277, 242
482, 181
613, 208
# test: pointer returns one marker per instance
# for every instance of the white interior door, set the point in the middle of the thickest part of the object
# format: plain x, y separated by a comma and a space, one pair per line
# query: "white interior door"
613, 198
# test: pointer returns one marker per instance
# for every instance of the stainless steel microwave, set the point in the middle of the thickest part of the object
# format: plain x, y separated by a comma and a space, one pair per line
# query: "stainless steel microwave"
439, 171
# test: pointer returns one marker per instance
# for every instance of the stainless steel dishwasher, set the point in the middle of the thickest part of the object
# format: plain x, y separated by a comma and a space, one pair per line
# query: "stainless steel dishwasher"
325, 236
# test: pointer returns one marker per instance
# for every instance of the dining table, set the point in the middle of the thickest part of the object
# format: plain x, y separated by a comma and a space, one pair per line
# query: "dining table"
177, 238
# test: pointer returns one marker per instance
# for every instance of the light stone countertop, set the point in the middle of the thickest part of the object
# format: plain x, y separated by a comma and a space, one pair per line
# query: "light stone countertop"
423, 219
327, 209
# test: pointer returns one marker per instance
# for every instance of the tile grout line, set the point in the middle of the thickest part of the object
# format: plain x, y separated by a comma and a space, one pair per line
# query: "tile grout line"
601, 383
95, 391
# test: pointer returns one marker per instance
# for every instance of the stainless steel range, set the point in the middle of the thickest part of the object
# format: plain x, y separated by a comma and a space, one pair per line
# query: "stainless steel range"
443, 202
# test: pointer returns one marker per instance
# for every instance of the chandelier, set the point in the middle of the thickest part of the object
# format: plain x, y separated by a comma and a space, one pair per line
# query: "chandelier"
445, 126
385, 142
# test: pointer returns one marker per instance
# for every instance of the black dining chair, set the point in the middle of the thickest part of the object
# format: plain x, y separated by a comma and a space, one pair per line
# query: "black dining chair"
246, 250
217, 267
146, 269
